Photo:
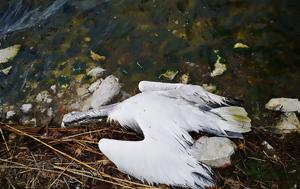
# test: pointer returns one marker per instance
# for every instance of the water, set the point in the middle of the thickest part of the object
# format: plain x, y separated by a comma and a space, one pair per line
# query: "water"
142, 39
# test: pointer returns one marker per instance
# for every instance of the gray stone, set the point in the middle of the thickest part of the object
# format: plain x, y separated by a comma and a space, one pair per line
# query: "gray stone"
214, 151
288, 123
284, 104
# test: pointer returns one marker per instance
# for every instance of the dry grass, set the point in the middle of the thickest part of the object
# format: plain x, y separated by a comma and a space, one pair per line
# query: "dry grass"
60, 158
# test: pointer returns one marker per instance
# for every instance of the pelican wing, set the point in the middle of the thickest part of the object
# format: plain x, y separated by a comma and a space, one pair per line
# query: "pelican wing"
192, 93
200, 110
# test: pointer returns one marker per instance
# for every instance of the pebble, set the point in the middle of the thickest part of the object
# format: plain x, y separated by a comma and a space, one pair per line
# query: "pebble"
214, 151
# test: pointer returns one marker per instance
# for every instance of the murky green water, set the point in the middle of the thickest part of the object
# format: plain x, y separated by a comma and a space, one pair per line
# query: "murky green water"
159, 36
142, 39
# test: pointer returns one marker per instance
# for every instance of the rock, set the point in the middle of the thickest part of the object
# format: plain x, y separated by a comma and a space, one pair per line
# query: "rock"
50, 112
96, 72
288, 123
94, 86
43, 97
214, 151
108, 88
26, 108
9, 53
10, 114
267, 146
284, 104
26, 120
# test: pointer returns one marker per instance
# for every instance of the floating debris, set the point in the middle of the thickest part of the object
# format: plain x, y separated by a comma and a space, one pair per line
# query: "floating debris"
9, 53
288, 123
219, 67
240, 46
169, 74
6, 71
284, 104
97, 57
214, 151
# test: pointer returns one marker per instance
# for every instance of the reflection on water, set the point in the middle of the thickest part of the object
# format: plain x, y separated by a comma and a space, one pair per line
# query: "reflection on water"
17, 15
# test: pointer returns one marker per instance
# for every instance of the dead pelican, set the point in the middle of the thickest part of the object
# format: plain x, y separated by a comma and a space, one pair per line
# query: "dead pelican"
164, 113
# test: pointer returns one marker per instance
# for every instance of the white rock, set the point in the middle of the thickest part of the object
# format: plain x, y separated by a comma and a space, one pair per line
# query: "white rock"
108, 88
26, 108
49, 100
43, 97
284, 104
214, 151
96, 72
288, 123
10, 114
94, 86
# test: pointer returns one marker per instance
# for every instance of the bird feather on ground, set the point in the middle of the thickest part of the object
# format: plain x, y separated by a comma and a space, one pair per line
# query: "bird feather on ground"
165, 114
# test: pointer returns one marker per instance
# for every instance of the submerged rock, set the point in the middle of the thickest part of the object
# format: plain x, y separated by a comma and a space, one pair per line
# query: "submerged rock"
284, 104
214, 151
108, 88
26, 108
288, 123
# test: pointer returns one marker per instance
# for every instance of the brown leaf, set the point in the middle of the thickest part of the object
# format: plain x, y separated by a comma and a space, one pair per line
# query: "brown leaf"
97, 57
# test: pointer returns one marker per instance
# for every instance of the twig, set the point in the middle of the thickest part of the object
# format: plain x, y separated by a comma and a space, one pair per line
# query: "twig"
5, 141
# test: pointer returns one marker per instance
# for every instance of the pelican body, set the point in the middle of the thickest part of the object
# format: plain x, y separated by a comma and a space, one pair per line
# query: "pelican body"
165, 114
